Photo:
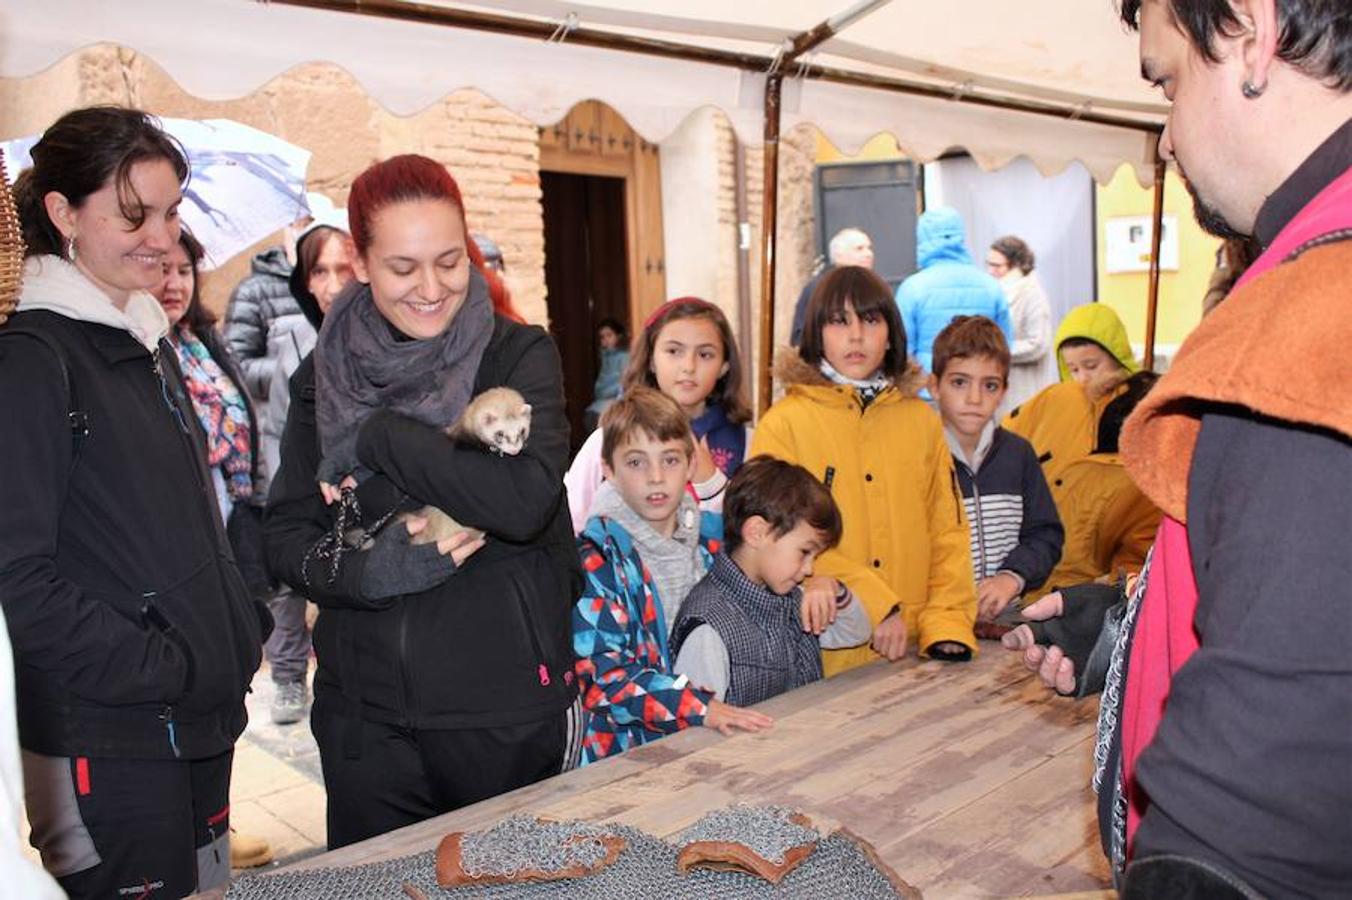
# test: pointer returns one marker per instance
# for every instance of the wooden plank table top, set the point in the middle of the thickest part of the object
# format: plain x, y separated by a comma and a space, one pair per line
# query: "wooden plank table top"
971, 780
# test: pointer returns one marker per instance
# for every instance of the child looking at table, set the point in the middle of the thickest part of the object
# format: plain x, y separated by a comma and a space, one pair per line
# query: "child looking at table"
750, 630
643, 549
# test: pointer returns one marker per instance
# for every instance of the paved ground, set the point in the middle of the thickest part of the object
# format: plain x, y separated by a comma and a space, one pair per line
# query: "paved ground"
277, 792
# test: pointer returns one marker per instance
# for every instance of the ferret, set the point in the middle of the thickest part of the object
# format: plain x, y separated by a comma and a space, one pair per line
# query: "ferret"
498, 420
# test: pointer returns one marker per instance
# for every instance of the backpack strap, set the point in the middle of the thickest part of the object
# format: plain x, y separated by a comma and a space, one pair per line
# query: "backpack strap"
78, 418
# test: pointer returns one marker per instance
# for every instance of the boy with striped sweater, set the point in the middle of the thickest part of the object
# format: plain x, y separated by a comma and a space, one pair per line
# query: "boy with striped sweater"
1015, 533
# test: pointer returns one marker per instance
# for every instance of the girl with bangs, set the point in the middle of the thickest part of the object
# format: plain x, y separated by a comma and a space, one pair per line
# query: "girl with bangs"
686, 351
851, 416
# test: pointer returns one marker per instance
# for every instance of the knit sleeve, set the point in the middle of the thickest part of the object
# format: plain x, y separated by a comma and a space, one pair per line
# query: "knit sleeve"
851, 628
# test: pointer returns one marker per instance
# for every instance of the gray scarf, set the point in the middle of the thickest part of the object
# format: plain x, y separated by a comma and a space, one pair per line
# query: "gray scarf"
361, 366
675, 563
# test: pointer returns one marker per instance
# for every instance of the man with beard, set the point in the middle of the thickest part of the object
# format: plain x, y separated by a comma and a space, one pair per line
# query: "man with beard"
1242, 620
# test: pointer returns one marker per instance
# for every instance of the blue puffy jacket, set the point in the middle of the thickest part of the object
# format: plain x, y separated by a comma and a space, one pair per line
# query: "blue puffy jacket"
947, 285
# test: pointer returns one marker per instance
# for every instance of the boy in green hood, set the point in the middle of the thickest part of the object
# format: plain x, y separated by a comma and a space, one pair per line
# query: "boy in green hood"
1095, 359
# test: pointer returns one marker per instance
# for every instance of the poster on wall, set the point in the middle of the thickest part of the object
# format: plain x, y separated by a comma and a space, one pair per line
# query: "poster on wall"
1128, 244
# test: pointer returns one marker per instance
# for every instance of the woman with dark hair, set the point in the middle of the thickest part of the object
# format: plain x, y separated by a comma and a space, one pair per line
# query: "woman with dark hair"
134, 635
445, 669
851, 416
1011, 261
214, 383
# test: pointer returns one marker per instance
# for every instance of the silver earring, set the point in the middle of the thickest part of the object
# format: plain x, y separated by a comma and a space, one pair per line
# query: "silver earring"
70, 248
1252, 91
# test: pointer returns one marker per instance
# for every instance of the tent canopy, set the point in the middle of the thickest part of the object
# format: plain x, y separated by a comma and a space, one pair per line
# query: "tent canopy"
1070, 56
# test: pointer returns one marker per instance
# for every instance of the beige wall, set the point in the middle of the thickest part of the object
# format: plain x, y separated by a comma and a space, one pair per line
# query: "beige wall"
493, 153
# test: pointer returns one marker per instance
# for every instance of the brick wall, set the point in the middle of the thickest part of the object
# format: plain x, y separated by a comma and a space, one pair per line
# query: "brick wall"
493, 153
794, 234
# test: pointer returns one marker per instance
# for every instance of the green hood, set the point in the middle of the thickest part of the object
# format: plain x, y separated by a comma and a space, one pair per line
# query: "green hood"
1099, 323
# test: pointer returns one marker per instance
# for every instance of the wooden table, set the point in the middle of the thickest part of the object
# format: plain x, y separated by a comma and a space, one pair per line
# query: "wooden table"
971, 780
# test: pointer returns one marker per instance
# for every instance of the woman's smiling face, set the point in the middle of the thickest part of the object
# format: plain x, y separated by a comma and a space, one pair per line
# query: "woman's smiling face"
417, 265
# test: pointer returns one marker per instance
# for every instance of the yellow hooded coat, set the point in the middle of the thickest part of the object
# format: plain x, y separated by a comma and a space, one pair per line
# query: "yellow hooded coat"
1061, 422
891, 473
1109, 523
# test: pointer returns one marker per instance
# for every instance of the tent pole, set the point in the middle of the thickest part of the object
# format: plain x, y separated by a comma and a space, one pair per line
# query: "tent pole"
774, 83
789, 53
1156, 236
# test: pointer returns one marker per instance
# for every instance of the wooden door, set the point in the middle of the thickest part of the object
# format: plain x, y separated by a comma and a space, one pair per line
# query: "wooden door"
594, 139
585, 277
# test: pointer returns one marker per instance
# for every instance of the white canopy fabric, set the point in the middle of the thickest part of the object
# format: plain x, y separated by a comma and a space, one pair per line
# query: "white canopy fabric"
1073, 53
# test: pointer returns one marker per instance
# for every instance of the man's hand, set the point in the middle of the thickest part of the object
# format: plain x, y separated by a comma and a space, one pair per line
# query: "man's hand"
889, 638
1051, 664
817, 610
994, 593
728, 719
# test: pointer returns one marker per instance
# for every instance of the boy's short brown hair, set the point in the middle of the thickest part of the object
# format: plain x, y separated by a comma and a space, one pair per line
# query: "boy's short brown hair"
781, 493
970, 336
644, 409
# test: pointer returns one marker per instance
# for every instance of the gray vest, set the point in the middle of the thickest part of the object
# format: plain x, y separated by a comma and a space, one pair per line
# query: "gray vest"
768, 651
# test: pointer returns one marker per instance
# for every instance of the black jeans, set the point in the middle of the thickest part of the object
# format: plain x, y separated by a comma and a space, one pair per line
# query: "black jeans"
380, 777
131, 827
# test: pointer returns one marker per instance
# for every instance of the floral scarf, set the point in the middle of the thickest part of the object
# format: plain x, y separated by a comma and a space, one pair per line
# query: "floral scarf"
221, 409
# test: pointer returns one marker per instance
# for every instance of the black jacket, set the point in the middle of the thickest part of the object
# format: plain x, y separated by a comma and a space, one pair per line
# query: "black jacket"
492, 645
133, 633
1012, 519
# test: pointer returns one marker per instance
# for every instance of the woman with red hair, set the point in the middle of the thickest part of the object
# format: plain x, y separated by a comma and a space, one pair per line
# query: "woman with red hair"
445, 669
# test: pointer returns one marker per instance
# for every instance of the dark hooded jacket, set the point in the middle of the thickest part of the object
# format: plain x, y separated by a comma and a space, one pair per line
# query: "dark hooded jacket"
492, 645
291, 338
134, 635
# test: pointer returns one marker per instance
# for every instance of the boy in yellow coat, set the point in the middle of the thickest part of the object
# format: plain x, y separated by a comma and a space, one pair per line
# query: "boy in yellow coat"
1073, 427
851, 417
1095, 359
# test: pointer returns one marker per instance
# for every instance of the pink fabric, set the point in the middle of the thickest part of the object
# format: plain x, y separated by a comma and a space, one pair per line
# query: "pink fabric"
1165, 638
1165, 632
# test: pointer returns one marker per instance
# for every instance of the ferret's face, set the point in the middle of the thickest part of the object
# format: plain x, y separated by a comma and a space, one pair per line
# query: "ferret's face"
504, 433
417, 265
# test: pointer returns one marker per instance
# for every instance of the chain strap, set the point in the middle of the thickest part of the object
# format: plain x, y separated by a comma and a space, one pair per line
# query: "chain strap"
334, 545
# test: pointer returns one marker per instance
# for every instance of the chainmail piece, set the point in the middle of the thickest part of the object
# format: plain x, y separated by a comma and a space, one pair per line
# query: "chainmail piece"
765, 830
523, 843
838, 868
